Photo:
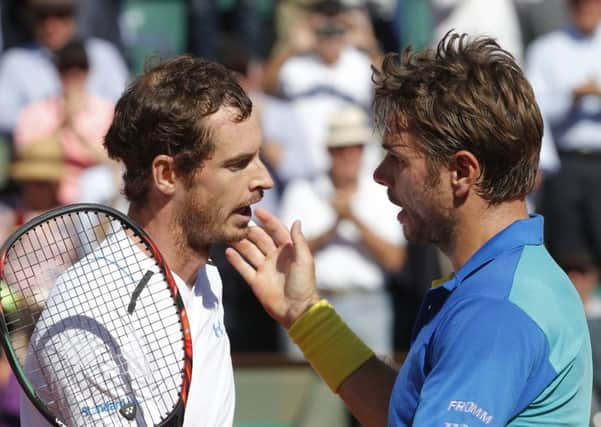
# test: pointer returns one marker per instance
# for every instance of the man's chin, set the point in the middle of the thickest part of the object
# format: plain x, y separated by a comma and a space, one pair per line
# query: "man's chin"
233, 236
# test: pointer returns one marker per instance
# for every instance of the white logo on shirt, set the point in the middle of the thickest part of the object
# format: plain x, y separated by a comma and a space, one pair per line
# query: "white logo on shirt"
471, 408
217, 329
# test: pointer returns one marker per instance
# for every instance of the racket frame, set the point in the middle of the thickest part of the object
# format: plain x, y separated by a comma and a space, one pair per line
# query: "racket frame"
175, 418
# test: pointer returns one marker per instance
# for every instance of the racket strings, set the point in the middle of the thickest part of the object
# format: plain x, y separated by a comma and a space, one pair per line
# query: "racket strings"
76, 274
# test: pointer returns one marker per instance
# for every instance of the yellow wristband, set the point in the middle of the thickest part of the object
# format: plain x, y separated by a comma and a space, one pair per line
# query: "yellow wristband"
329, 345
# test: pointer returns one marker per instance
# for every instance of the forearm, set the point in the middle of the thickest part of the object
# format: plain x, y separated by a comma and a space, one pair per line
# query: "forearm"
390, 256
367, 392
345, 363
320, 241
272, 69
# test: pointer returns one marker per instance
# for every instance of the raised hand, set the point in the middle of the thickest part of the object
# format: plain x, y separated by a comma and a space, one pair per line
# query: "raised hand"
278, 266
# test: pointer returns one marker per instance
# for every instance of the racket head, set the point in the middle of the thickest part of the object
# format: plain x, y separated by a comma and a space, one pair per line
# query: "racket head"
109, 330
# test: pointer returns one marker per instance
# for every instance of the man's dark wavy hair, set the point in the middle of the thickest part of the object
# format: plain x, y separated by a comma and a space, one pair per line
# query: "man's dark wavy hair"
164, 111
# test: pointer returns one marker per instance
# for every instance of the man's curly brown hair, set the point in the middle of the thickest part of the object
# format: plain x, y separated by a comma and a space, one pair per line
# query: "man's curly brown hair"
465, 95
164, 111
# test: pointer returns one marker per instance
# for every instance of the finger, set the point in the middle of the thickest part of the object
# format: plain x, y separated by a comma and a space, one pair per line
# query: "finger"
250, 252
261, 239
274, 227
300, 243
247, 272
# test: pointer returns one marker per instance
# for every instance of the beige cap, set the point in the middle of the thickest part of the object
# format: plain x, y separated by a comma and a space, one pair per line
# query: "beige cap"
349, 126
39, 161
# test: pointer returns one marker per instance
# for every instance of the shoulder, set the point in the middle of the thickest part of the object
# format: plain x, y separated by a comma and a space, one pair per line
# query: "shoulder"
17, 57
546, 45
100, 106
43, 107
101, 51
489, 324
355, 56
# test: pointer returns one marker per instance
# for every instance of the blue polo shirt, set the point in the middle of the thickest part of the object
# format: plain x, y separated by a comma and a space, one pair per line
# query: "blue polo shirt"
502, 342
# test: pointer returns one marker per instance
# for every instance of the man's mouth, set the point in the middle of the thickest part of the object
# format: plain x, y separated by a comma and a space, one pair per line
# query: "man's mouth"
245, 210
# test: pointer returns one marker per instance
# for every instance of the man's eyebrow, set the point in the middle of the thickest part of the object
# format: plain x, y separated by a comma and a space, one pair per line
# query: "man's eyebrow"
243, 157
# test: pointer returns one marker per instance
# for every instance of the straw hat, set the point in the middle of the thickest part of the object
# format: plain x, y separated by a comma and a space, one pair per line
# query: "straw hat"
39, 161
349, 126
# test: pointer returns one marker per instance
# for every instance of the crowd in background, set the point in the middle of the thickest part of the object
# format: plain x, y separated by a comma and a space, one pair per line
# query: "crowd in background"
307, 66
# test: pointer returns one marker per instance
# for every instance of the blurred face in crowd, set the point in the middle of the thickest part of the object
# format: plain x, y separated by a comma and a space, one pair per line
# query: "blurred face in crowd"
53, 26
346, 162
74, 80
425, 202
329, 32
586, 14
215, 204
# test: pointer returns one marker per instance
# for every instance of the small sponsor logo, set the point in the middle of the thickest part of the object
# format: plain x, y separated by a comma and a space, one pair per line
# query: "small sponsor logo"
455, 425
217, 329
470, 408
103, 408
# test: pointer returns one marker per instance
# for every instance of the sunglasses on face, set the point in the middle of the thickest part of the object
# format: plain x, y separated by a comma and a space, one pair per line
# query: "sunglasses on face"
330, 31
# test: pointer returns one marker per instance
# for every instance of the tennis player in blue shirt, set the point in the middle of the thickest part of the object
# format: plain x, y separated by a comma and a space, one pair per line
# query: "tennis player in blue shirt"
502, 341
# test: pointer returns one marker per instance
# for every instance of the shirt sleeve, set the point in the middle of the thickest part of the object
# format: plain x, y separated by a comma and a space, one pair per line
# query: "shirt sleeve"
483, 366
11, 100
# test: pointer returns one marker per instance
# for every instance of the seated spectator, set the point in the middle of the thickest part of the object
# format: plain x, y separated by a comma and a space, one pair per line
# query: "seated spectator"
352, 230
325, 66
563, 68
76, 118
27, 73
37, 171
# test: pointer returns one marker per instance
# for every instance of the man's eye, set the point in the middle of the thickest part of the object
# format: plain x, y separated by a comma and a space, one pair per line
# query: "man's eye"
237, 165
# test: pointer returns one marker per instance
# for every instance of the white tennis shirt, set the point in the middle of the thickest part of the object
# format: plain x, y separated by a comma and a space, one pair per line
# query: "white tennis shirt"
212, 395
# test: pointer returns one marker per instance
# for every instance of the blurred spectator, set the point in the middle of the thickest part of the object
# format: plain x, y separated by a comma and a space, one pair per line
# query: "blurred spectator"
584, 274
9, 394
249, 20
539, 17
494, 18
383, 17
250, 329
565, 71
100, 18
27, 73
352, 229
77, 119
324, 67
284, 150
13, 30
37, 170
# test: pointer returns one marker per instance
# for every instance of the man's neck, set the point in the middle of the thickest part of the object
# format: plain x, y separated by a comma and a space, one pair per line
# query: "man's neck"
161, 226
475, 227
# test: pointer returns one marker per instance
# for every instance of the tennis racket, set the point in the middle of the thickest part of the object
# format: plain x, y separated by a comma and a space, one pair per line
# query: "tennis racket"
92, 322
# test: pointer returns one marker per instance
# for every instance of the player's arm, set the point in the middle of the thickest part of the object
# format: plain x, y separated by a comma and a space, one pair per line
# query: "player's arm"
367, 392
279, 268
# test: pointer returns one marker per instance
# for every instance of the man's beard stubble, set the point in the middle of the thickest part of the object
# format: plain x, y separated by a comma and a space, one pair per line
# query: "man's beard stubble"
200, 225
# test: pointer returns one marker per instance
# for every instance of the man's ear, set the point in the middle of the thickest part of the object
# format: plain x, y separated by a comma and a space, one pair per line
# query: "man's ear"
163, 174
465, 173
